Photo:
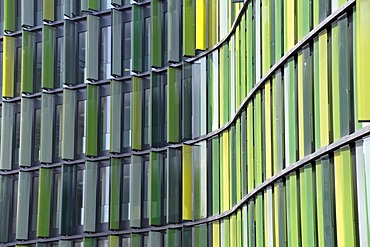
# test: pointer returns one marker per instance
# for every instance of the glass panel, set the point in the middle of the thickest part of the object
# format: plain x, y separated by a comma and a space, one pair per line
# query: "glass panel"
14, 206
80, 182
125, 214
127, 99
37, 85
105, 4
35, 194
57, 188
147, 47
81, 57
103, 243
38, 14
58, 131
59, 65
145, 211
81, 126
127, 48
104, 196
146, 123
16, 139
59, 9
18, 11
36, 145
126, 242
18, 71
106, 61
105, 125
1, 64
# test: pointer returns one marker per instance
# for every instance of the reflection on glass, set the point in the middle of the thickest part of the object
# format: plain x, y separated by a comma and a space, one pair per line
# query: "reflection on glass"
105, 4
81, 126
164, 187
37, 84
58, 131
127, 48
59, 5
126, 242
147, 44
81, 57
35, 194
125, 214
16, 139
38, 12
103, 243
104, 194
1, 17
18, 12
58, 63
14, 205
127, 119
57, 188
36, 146
105, 126
106, 60
78, 244
146, 191
18, 70
146, 116
79, 209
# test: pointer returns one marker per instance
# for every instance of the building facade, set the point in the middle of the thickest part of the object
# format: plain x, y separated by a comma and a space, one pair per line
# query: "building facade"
184, 123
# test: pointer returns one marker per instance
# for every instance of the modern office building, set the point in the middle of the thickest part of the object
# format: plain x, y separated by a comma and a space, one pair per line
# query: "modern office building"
185, 123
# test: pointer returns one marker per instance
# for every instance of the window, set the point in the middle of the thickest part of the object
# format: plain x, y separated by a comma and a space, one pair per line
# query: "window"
125, 208
104, 195
127, 48
34, 203
58, 63
127, 108
18, 69
59, 9
81, 57
81, 126
18, 11
146, 124
105, 123
14, 208
79, 193
106, 61
58, 131
16, 137
56, 200
38, 67
103, 242
36, 133
145, 192
1, 57
125, 242
147, 45
105, 4
38, 12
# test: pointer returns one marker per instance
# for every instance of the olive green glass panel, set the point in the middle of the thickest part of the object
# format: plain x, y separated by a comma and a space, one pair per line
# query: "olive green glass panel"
92, 120
200, 235
156, 40
189, 28
173, 238
26, 129
9, 15
155, 188
48, 14
69, 117
23, 209
48, 57
137, 96
27, 61
173, 104
89, 242
136, 179
91, 183
8, 66
44, 202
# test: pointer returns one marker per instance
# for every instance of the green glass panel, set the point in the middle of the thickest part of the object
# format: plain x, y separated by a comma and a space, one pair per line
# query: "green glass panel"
304, 16
243, 150
117, 43
187, 237
115, 194
200, 235
48, 15
173, 189
136, 180
89, 242
44, 202
91, 183
66, 214
114, 241
27, 13
6, 199
293, 219
92, 120
155, 188
173, 104
92, 48
224, 84
135, 240
259, 221
156, 40
173, 33
48, 46
173, 238
46, 133
257, 117
7, 124
278, 26
215, 175
24, 202
307, 100
9, 15
155, 239
69, 117
27, 61
137, 38
188, 28
93, 4
250, 48
26, 129
137, 95
156, 93
70, 64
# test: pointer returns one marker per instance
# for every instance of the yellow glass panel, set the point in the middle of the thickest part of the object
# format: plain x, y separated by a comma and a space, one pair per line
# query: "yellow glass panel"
289, 33
200, 18
268, 135
225, 172
187, 184
216, 234
301, 122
